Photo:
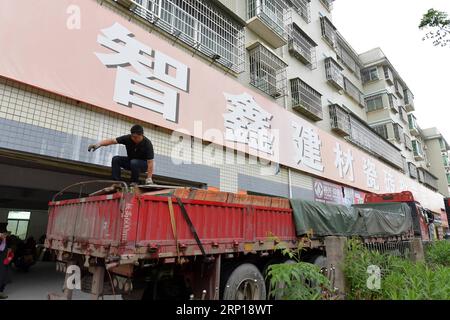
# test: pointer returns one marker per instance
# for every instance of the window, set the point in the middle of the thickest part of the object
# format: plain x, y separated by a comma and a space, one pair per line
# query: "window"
382, 130
370, 74
353, 92
374, 103
398, 132
408, 142
334, 73
18, 223
412, 170
302, 46
306, 100
200, 25
328, 31
302, 7
267, 71
272, 12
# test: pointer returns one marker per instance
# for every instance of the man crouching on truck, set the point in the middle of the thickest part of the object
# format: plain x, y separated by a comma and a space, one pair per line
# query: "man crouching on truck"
139, 151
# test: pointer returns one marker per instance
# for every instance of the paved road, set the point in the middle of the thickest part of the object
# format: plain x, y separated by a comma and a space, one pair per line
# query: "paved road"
41, 279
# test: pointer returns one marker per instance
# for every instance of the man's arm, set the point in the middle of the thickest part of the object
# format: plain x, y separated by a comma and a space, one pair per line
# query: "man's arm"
103, 143
149, 168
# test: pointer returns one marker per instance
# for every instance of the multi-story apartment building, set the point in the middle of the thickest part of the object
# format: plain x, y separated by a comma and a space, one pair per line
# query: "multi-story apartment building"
269, 96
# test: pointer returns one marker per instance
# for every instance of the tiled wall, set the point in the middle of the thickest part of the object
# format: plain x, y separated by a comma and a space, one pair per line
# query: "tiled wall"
38, 122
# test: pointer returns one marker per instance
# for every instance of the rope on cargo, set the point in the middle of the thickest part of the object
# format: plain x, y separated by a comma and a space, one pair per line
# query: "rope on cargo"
191, 226
174, 227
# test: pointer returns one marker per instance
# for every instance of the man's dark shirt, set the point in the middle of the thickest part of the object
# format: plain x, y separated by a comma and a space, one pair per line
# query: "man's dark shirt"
143, 150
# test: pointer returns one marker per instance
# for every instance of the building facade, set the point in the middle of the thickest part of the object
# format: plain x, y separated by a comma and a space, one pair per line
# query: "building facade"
257, 96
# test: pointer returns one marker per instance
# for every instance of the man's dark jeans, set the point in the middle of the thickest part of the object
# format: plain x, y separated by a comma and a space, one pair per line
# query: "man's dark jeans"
136, 166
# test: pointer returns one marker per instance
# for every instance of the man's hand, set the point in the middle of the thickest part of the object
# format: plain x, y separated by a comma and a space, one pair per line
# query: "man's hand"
149, 180
93, 147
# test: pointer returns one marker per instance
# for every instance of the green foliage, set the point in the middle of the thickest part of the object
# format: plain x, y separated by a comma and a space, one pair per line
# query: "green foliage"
298, 281
401, 279
434, 18
438, 253
440, 24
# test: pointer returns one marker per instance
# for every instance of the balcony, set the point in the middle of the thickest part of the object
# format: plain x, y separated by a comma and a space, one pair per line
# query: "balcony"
409, 100
418, 151
328, 4
267, 19
267, 71
428, 179
329, 33
359, 133
388, 76
398, 89
334, 73
412, 170
408, 142
302, 46
402, 114
200, 25
413, 127
354, 92
340, 120
306, 100
393, 103
303, 8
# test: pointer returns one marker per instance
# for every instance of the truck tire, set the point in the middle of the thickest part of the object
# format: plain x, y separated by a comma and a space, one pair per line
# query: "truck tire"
245, 283
319, 260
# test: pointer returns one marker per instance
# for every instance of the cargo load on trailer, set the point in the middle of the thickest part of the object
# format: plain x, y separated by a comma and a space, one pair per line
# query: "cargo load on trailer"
364, 220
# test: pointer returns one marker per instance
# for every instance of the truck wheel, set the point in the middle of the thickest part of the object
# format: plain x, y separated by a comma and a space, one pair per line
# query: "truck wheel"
319, 260
245, 283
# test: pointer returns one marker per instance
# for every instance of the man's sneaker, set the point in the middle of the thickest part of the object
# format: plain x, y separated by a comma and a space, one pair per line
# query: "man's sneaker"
3, 296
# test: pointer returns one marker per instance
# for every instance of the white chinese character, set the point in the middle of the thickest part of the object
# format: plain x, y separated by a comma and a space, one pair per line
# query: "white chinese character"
371, 173
344, 162
142, 88
307, 146
248, 123
389, 182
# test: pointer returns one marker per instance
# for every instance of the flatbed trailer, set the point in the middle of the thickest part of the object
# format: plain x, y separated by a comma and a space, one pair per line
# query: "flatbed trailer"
153, 243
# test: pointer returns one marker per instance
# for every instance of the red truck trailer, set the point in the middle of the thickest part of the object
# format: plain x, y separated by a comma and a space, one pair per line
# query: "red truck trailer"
169, 243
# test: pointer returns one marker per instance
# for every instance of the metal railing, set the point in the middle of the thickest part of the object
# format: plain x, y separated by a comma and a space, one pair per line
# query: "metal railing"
327, 4
354, 92
398, 89
200, 25
334, 73
340, 120
408, 142
272, 12
306, 100
365, 137
267, 71
396, 248
409, 99
328, 31
302, 7
393, 103
301, 46
428, 179
388, 76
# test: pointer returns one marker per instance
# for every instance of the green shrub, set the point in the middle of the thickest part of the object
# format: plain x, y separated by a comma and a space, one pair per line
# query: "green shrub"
438, 253
298, 281
401, 279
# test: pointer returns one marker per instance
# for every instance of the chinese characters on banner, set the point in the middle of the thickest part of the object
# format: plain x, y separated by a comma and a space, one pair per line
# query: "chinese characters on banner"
246, 122
307, 146
156, 76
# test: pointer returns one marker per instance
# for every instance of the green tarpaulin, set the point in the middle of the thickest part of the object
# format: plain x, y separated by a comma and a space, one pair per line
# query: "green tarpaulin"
367, 220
